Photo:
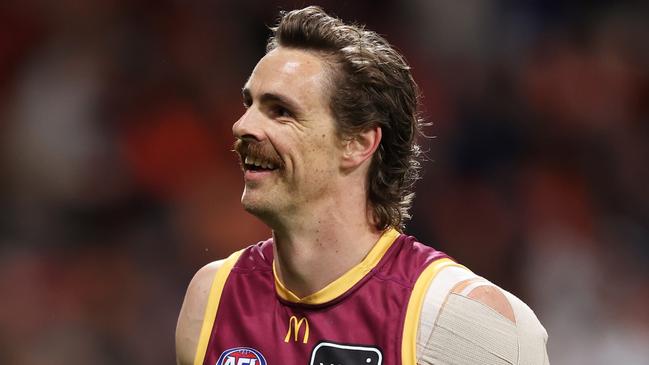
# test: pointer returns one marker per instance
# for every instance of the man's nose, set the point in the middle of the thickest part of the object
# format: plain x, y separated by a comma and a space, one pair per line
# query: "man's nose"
248, 126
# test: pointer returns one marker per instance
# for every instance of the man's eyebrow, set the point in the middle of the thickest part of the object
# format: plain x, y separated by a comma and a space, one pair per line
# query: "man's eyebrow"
272, 97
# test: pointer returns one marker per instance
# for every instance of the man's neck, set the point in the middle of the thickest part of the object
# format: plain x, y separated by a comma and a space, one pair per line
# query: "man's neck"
320, 250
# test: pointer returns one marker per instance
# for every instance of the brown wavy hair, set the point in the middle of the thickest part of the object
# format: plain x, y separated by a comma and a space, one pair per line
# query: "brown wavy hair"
371, 85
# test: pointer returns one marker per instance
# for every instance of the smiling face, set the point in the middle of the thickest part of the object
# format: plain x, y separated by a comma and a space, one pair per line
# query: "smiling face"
286, 138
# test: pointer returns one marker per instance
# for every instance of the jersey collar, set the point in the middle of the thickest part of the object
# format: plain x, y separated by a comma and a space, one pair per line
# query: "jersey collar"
341, 285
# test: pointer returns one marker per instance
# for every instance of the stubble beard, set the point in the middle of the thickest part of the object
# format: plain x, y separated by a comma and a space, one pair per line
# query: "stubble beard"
265, 205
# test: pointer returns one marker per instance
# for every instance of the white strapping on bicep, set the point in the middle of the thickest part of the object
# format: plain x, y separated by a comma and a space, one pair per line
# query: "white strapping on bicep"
468, 332
436, 294
455, 329
532, 336
474, 284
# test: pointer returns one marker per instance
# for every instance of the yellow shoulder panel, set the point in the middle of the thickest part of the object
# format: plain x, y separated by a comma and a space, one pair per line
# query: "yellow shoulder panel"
411, 323
213, 304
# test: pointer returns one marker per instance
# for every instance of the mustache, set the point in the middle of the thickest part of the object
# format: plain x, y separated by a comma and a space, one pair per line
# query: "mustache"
259, 150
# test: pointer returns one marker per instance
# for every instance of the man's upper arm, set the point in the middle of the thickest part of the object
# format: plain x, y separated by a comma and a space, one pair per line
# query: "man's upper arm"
468, 320
192, 312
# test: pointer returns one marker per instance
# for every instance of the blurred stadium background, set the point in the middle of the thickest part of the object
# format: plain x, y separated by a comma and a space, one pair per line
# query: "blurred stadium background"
117, 181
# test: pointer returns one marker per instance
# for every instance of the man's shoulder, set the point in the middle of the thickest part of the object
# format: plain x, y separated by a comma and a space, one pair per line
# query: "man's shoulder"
199, 286
192, 312
477, 319
208, 270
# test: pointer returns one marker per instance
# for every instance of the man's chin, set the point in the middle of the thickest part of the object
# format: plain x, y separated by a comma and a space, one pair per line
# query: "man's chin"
255, 207
262, 212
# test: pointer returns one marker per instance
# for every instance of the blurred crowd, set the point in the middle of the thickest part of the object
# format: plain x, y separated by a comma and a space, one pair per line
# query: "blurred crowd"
117, 180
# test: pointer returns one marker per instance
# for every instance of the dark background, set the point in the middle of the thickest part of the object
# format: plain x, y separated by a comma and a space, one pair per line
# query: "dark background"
117, 181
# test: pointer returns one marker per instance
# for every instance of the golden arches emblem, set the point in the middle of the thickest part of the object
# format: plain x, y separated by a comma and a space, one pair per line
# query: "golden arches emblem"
294, 328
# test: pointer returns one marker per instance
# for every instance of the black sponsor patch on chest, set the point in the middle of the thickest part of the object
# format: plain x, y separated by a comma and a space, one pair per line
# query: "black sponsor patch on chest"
328, 353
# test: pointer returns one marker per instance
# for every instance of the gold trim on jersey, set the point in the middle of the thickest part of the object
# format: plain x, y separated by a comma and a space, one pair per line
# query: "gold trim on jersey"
347, 280
213, 305
415, 303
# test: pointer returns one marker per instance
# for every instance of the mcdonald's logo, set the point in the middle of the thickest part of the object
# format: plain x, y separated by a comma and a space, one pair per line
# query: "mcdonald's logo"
294, 327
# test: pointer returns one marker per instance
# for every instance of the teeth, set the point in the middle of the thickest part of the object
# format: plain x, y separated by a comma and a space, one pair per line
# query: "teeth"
258, 162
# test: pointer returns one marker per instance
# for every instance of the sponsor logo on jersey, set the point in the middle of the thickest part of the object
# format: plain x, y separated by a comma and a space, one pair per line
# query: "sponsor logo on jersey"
334, 353
241, 356
294, 328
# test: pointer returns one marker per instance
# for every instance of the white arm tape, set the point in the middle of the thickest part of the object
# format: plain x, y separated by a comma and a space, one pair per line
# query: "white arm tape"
455, 329
532, 336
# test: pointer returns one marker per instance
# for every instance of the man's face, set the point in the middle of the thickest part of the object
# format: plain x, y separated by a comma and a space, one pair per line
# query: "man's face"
286, 138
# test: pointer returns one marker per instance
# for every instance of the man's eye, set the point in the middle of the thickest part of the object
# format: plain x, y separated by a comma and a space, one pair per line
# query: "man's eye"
280, 111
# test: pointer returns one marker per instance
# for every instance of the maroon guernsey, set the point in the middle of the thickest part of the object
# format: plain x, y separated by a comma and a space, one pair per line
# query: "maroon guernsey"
369, 316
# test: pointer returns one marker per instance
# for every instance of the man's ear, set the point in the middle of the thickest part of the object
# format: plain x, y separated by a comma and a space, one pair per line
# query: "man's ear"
360, 147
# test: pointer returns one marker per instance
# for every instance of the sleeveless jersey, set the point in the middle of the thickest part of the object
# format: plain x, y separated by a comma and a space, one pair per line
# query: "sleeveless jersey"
368, 316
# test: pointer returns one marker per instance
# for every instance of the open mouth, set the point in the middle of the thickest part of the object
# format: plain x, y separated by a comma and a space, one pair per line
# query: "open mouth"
258, 164
255, 157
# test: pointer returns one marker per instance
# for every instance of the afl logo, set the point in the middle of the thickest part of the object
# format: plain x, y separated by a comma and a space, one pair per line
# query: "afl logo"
241, 356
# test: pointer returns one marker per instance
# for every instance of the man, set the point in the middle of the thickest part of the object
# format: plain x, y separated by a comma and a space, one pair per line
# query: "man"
327, 146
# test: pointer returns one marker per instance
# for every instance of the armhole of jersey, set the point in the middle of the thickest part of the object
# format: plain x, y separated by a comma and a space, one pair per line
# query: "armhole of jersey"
212, 307
411, 322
